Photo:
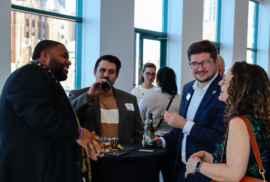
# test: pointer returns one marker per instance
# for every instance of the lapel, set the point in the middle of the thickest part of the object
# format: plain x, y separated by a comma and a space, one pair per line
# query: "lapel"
121, 109
212, 90
96, 108
190, 92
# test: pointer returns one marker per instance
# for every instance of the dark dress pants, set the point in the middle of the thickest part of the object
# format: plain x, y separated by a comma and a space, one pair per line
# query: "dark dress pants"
168, 164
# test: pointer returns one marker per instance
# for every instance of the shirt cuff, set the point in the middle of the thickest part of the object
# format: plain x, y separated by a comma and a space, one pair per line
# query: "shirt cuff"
163, 142
188, 126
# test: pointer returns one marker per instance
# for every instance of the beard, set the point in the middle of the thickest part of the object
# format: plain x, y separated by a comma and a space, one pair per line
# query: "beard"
207, 78
58, 69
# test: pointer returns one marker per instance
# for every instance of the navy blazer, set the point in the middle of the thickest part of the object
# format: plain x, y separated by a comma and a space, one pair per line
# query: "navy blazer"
207, 130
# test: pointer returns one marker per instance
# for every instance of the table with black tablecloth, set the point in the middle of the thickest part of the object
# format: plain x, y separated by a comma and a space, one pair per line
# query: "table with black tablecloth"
135, 166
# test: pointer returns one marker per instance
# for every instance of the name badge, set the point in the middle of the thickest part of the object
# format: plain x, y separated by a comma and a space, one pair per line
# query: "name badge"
188, 96
130, 107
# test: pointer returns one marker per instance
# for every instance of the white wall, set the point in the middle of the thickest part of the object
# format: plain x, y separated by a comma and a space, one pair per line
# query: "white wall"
233, 37
108, 28
5, 41
184, 28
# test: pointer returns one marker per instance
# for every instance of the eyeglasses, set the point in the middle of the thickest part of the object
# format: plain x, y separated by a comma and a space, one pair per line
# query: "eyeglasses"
148, 74
205, 64
223, 80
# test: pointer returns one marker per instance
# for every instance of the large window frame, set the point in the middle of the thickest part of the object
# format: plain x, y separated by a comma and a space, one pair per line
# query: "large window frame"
78, 19
154, 35
254, 49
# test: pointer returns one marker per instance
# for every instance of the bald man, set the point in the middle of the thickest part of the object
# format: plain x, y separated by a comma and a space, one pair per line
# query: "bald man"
221, 70
221, 66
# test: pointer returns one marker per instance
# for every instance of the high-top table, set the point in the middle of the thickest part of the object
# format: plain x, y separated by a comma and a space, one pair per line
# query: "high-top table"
132, 167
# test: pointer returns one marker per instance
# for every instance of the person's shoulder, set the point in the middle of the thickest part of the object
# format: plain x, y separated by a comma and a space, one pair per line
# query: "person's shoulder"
29, 68
136, 89
80, 91
29, 71
123, 93
177, 96
189, 83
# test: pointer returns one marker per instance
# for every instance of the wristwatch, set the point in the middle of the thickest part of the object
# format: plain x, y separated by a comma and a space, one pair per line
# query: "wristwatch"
197, 168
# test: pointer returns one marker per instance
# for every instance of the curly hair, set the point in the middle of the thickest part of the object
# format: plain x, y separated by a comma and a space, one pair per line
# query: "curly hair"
249, 90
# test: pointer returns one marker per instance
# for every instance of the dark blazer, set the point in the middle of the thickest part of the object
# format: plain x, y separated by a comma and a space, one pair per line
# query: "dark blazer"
182, 96
130, 123
205, 133
37, 130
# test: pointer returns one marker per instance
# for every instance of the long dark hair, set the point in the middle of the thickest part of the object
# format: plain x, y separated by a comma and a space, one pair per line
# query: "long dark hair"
249, 90
167, 80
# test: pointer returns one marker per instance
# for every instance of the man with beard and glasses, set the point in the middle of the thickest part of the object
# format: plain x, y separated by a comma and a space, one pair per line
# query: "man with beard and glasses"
40, 136
221, 70
112, 113
201, 124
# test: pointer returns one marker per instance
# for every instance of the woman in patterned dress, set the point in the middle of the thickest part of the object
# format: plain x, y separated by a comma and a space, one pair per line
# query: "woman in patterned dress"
246, 90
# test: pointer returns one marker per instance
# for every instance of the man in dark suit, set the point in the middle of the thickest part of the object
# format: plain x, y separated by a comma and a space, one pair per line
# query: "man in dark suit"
39, 136
201, 124
112, 113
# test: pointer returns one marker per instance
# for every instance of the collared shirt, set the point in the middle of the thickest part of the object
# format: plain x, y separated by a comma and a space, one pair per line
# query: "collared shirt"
192, 110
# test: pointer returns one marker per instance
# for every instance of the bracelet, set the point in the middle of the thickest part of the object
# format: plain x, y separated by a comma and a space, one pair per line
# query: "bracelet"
197, 167
80, 134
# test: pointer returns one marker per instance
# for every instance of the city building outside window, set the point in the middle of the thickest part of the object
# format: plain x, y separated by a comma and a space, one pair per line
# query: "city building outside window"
34, 20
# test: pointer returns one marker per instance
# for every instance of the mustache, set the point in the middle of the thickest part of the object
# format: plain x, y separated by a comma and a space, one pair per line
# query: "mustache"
107, 78
201, 72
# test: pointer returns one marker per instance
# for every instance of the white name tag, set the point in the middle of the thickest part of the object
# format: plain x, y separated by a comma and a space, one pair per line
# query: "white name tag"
130, 106
188, 96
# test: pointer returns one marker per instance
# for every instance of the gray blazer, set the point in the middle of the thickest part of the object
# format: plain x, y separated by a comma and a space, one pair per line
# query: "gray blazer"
130, 123
182, 96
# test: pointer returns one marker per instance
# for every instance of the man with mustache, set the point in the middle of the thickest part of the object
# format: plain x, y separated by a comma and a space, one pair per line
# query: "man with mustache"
112, 113
40, 138
201, 124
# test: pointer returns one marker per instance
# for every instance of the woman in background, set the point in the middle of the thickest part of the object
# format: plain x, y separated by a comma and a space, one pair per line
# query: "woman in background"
147, 78
156, 103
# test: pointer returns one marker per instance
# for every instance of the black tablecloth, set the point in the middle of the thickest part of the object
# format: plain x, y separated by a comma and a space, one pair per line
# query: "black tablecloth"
135, 166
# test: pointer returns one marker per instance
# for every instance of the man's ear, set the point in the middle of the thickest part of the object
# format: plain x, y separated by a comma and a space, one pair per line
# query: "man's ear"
217, 61
117, 75
95, 72
45, 58
156, 79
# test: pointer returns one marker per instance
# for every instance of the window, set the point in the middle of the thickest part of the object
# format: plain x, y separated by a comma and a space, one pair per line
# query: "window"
211, 21
148, 14
66, 7
33, 21
150, 34
253, 11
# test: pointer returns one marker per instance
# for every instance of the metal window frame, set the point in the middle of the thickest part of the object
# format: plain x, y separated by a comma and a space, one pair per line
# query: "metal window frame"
255, 36
78, 19
153, 35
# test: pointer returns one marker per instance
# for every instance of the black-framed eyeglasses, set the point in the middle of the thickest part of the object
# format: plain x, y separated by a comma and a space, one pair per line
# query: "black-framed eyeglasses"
204, 64
148, 74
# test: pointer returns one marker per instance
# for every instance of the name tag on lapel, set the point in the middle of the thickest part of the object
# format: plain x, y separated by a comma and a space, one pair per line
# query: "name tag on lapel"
130, 106
188, 96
